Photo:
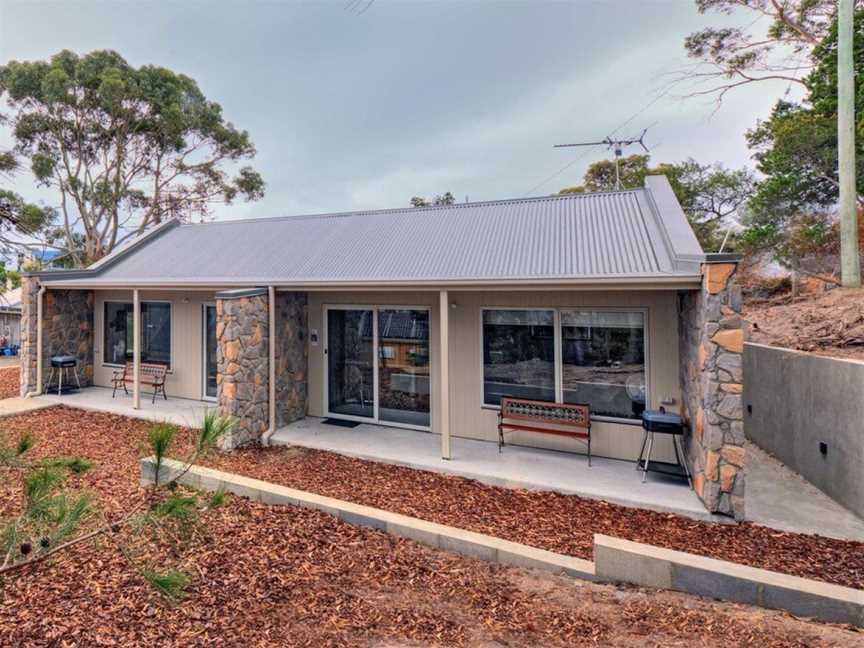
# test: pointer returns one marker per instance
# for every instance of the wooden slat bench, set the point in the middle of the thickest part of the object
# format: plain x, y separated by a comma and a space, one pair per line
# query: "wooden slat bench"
153, 375
561, 419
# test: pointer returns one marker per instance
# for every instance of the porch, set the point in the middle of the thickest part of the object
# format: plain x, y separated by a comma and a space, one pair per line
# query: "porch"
779, 498
179, 411
612, 480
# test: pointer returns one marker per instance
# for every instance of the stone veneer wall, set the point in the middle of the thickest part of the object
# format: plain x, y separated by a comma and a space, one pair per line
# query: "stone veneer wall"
27, 353
67, 329
291, 357
242, 340
712, 343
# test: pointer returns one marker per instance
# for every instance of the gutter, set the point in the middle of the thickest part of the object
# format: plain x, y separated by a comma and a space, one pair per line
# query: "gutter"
38, 390
271, 364
602, 282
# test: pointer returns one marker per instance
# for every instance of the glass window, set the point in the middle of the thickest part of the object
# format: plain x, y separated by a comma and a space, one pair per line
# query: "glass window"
155, 333
603, 358
518, 355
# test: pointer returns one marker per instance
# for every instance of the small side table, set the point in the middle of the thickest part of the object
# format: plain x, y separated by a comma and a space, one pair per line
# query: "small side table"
661, 422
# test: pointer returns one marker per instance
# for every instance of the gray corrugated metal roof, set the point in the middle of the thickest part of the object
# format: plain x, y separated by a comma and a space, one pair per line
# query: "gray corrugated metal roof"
580, 236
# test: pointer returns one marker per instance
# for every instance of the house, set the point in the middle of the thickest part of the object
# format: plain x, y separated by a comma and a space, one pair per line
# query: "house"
423, 318
42, 257
10, 318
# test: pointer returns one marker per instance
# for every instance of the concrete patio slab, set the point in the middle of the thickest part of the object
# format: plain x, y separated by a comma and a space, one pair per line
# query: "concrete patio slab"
516, 467
781, 498
18, 405
179, 411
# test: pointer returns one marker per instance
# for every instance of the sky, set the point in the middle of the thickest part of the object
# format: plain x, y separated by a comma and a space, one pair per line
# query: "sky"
360, 108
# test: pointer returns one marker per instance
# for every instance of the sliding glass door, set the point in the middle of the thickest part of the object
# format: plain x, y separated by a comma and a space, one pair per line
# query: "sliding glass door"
350, 363
378, 364
403, 366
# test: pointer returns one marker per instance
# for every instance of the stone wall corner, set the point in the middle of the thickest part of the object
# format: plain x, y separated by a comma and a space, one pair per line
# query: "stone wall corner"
711, 375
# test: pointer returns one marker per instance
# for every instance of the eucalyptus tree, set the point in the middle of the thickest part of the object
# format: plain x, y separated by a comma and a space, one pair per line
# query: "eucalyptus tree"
125, 148
774, 46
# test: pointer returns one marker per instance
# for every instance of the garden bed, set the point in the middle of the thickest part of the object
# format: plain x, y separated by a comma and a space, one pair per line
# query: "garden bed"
10, 380
283, 576
564, 524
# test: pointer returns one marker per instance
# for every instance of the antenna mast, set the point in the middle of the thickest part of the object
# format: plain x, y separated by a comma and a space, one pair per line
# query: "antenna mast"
617, 146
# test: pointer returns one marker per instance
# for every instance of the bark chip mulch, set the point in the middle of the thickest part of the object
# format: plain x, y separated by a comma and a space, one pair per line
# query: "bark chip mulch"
283, 576
562, 523
10, 378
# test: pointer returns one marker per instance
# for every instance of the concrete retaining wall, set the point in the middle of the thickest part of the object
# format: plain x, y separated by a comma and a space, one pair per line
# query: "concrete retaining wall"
794, 402
615, 560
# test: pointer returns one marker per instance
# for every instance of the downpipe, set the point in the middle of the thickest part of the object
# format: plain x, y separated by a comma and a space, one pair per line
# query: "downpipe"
39, 300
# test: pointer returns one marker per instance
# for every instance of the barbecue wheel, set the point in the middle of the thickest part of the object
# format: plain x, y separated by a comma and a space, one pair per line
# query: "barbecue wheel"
25, 548
45, 542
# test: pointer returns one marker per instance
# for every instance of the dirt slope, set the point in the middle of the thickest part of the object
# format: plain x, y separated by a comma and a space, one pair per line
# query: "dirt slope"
825, 323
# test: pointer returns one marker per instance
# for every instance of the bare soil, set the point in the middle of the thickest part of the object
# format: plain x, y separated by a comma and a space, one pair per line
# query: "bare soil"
283, 576
824, 323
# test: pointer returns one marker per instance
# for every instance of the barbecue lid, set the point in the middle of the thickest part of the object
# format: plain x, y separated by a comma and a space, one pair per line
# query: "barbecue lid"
63, 359
656, 416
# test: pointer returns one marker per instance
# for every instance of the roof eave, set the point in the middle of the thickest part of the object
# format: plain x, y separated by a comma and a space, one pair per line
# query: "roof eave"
672, 280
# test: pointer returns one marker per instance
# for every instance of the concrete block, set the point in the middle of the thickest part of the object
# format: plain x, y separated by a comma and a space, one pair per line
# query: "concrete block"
824, 607
415, 532
695, 580
268, 496
357, 518
643, 564
631, 562
458, 541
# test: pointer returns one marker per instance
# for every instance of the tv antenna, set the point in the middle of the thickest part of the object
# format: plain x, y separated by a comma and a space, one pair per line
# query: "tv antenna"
616, 145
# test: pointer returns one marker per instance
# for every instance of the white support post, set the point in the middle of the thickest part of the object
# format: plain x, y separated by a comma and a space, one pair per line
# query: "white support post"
444, 397
136, 349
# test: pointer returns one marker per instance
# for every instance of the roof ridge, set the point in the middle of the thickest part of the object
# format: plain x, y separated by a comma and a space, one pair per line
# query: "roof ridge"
412, 210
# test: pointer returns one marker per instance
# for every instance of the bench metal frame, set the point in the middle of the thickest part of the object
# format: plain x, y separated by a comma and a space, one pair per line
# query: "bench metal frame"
543, 417
154, 375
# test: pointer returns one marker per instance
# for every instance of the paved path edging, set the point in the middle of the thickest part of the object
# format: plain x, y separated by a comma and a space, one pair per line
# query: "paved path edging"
616, 560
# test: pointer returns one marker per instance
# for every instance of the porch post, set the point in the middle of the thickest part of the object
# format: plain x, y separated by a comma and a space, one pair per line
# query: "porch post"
444, 395
136, 349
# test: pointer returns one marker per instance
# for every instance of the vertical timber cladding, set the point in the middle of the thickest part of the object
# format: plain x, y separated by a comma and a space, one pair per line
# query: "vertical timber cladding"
67, 329
242, 357
712, 344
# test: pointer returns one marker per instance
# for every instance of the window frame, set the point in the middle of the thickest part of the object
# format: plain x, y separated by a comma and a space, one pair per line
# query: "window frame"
171, 309
559, 360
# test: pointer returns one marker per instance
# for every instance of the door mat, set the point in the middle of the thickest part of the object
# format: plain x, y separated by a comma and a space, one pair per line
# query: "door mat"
341, 423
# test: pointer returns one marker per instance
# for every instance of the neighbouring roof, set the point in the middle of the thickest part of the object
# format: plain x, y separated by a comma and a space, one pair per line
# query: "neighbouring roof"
632, 236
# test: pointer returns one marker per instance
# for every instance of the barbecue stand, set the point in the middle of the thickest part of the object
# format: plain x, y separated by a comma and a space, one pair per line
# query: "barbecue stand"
660, 422
62, 365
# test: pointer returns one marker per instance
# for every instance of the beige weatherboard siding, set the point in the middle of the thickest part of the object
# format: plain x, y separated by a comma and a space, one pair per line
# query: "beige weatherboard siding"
185, 379
468, 417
